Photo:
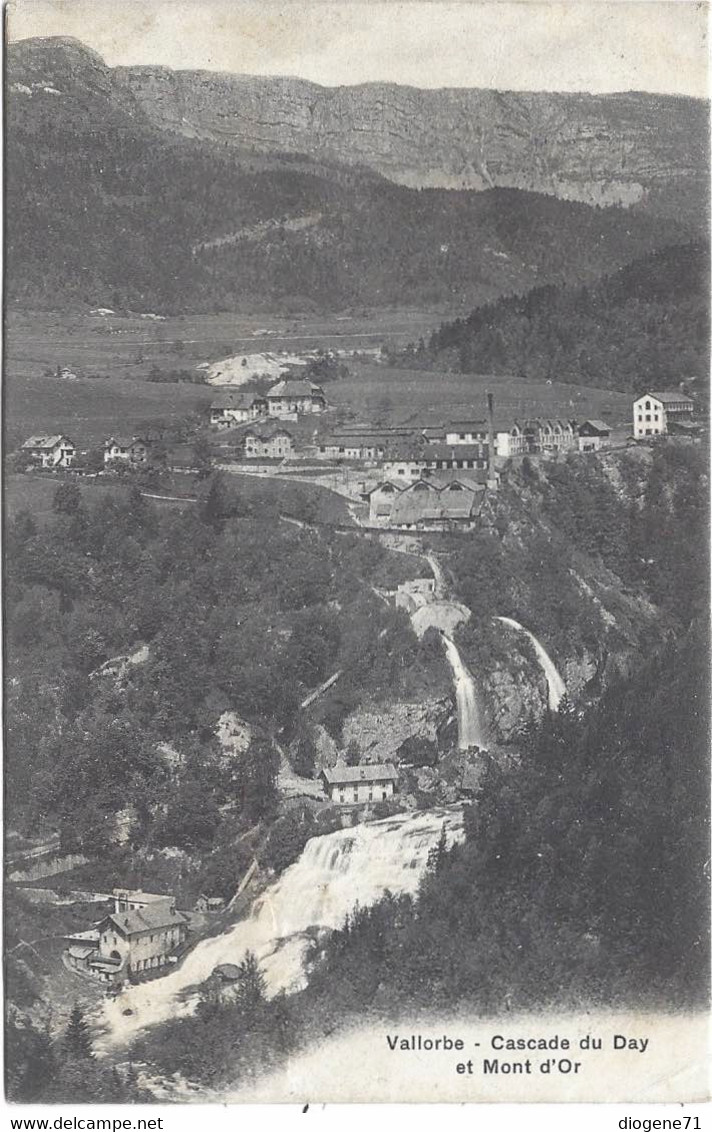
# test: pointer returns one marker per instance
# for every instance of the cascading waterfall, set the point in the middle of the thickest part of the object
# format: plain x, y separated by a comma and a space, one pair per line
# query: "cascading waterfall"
557, 688
334, 873
469, 727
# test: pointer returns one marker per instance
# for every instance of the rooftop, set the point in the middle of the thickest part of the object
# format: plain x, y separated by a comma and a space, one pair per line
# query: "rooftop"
138, 896
454, 452
669, 395
43, 441
153, 916
370, 772
233, 400
295, 388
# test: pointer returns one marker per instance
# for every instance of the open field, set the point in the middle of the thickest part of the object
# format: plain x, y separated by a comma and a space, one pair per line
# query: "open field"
124, 349
129, 345
35, 493
89, 411
402, 396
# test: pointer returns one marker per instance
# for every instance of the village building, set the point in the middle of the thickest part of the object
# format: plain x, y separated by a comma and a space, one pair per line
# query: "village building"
380, 502
405, 462
555, 436
209, 903
267, 442
536, 436
230, 408
359, 785
414, 592
593, 435
49, 451
141, 934
466, 432
125, 450
351, 447
654, 413
292, 397
446, 457
434, 434
428, 504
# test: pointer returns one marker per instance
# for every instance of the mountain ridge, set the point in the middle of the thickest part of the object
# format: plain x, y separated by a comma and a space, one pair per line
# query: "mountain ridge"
634, 149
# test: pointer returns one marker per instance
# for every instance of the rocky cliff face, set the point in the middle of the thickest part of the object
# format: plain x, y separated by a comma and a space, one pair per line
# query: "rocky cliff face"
625, 149
632, 149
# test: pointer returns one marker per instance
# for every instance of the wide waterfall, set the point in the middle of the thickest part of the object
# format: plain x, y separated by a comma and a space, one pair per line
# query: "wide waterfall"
557, 688
334, 873
470, 732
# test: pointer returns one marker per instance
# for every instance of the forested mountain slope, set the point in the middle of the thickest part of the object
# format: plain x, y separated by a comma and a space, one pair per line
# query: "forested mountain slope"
105, 207
645, 326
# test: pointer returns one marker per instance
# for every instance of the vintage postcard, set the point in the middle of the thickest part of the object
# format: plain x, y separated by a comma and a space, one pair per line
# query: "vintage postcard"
356, 599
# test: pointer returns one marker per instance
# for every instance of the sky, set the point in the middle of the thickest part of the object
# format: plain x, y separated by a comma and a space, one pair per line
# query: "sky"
589, 45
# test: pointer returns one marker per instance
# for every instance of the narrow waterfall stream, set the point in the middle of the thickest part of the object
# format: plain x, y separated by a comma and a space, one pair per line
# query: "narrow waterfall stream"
557, 688
334, 873
470, 732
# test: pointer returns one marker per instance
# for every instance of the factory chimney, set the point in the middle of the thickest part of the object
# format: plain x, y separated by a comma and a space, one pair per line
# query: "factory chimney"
491, 474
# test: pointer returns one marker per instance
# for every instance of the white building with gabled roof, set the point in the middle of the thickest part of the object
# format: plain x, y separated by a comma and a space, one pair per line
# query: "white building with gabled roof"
358, 785
654, 412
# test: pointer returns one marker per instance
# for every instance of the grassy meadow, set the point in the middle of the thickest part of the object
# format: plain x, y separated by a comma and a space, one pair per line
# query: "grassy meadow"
123, 350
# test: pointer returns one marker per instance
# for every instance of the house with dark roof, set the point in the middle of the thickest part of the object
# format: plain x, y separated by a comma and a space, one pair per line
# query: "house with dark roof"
268, 441
438, 502
49, 451
293, 396
139, 935
447, 457
233, 407
358, 785
593, 435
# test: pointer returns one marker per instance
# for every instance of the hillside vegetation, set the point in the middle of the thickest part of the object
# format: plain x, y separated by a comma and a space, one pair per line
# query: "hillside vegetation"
645, 326
107, 209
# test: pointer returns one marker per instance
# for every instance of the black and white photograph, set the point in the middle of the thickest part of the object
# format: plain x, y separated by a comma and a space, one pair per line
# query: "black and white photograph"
356, 485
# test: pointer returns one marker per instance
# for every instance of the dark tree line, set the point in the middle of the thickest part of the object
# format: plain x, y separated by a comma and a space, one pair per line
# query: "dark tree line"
647, 326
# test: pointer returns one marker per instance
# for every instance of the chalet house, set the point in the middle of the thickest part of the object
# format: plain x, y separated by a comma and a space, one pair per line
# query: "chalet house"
292, 397
358, 785
125, 450
140, 934
231, 408
593, 435
49, 451
653, 413
267, 442
466, 432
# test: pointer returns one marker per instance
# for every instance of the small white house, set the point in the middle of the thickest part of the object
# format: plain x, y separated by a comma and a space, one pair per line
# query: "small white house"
466, 432
358, 785
125, 450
